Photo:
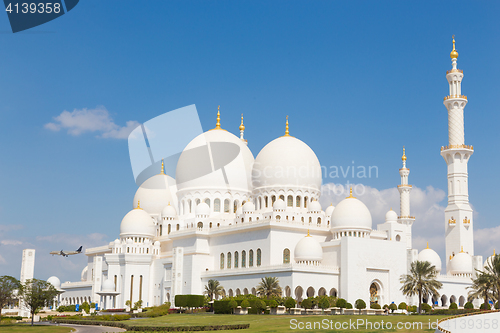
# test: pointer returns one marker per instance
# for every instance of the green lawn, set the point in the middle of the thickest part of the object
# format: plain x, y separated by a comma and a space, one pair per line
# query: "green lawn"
286, 323
22, 328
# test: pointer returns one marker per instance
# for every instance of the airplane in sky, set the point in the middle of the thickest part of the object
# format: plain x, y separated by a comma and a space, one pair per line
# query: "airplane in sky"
68, 253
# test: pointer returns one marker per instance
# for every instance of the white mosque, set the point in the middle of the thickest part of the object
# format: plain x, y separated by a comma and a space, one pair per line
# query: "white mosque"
257, 217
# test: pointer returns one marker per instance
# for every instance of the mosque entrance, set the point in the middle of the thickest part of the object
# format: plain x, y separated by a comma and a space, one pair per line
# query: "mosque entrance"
374, 294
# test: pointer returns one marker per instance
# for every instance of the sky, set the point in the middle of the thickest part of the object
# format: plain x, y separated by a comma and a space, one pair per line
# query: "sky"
358, 80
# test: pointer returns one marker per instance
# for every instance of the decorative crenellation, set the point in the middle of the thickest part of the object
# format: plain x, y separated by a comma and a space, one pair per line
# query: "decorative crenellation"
457, 147
455, 96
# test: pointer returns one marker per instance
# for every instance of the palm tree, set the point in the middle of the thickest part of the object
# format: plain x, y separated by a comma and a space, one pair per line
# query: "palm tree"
492, 270
421, 281
213, 289
269, 286
482, 287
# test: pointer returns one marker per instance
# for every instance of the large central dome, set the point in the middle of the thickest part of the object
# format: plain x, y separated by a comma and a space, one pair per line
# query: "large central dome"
287, 162
215, 160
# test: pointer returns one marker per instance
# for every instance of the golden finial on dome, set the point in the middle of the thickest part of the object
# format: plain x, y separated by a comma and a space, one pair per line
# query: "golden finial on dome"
462, 249
454, 53
287, 132
494, 254
139, 204
308, 233
350, 194
217, 125
162, 168
242, 127
403, 158
427, 245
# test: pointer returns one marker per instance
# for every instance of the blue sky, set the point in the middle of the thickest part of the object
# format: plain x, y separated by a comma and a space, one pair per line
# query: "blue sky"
358, 79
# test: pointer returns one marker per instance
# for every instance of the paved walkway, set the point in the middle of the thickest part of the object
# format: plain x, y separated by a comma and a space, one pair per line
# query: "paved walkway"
93, 329
481, 322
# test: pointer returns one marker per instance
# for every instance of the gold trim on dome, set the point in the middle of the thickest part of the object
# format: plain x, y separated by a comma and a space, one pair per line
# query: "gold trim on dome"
350, 194
454, 53
242, 127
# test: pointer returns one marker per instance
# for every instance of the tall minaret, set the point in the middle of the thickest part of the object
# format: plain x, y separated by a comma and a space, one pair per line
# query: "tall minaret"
458, 214
404, 201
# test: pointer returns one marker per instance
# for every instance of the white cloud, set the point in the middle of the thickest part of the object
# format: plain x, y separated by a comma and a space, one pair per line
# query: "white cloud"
96, 120
10, 242
486, 240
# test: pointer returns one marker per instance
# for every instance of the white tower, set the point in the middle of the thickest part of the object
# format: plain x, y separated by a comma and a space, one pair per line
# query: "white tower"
404, 201
458, 213
27, 265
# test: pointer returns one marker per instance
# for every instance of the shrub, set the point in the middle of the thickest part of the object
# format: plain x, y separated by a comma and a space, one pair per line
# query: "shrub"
156, 311
324, 303
341, 303
222, 307
393, 307
232, 304
386, 306
360, 304
469, 305
307, 303
245, 304
402, 306
273, 304
289, 303
374, 306
348, 306
497, 305
485, 306
257, 306
189, 301
426, 307
413, 309
85, 306
453, 306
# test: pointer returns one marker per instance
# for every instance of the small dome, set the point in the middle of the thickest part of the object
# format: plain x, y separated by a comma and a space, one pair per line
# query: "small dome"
54, 280
351, 213
308, 249
248, 207
154, 193
156, 244
117, 241
461, 264
169, 211
137, 223
202, 209
314, 206
83, 275
108, 285
329, 210
279, 205
391, 216
489, 260
430, 256
287, 162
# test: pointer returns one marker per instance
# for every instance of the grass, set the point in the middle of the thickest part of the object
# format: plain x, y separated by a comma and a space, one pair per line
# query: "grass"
286, 323
23, 328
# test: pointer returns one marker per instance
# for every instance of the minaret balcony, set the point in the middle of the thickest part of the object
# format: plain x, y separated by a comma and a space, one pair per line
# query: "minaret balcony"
455, 96
404, 185
455, 70
457, 147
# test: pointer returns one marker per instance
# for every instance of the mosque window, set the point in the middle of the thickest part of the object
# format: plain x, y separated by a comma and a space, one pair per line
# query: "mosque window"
229, 260
250, 258
189, 203
259, 257
249, 219
243, 258
273, 199
286, 256
217, 205
278, 218
235, 206
398, 238
265, 201
319, 220
350, 233
222, 261
302, 219
178, 226
161, 229
236, 259
260, 202
310, 219
218, 224
305, 202
226, 206
297, 201
290, 201
200, 225
282, 197
169, 228
210, 224
207, 201
198, 202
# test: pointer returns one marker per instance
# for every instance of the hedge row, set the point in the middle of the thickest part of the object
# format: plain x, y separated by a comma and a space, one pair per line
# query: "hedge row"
154, 328
189, 301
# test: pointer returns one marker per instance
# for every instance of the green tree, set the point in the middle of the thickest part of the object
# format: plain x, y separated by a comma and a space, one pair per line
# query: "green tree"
36, 294
393, 307
269, 286
213, 289
307, 303
233, 304
138, 305
348, 306
273, 304
360, 305
426, 307
341, 303
492, 272
245, 304
482, 287
85, 306
289, 303
324, 303
421, 281
8, 285
402, 306
375, 306
469, 305
453, 306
